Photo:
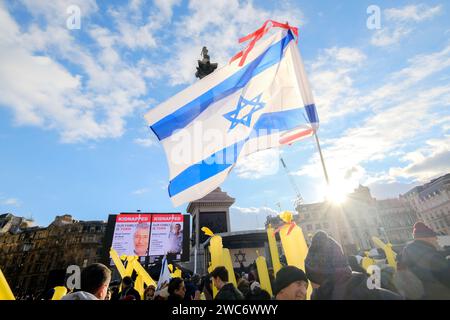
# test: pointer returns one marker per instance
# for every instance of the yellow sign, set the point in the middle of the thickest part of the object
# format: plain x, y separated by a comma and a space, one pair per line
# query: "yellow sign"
294, 244
263, 274
143, 278
274, 255
5, 290
391, 256
60, 291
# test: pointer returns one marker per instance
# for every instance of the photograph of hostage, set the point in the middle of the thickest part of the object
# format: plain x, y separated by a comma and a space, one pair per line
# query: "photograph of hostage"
141, 239
175, 239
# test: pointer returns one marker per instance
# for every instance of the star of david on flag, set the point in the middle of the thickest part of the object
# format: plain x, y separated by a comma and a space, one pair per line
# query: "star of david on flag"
260, 100
245, 119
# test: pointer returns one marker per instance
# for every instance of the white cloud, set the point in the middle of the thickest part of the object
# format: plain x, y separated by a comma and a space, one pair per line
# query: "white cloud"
10, 202
86, 92
166, 6
218, 25
145, 142
135, 33
389, 36
331, 78
141, 191
56, 11
254, 210
249, 218
91, 104
403, 22
426, 163
258, 165
415, 13
401, 111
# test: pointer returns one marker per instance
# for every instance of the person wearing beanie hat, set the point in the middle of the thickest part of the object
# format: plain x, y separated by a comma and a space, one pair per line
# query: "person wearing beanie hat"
331, 276
325, 258
426, 263
291, 283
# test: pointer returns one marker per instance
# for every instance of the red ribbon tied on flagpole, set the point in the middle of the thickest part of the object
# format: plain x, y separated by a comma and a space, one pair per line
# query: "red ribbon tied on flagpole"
257, 35
291, 226
288, 219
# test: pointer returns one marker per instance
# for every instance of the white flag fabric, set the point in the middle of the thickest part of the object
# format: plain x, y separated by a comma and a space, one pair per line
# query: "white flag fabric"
164, 275
233, 112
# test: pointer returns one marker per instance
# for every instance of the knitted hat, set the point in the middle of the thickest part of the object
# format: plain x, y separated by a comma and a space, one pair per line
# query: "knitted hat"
422, 231
325, 258
254, 285
286, 276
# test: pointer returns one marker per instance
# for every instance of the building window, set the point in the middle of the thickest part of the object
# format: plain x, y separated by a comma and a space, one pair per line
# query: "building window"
317, 226
309, 227
326, 225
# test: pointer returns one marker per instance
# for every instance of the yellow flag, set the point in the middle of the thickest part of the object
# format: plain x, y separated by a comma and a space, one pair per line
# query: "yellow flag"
286, 216
294, 244
391, 256
60, 291
366, 261
229, 266
207, 231
177, 273
146, 278
132, 265
139, 286
118, 263
274, 255
216, 250
5, 290
263, 274
214, 289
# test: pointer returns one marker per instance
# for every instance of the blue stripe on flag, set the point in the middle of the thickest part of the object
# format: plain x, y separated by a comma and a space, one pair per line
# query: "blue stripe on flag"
223, 159
187, 113
311, 112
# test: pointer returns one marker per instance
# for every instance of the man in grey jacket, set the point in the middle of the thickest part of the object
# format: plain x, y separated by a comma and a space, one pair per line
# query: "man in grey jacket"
95, 280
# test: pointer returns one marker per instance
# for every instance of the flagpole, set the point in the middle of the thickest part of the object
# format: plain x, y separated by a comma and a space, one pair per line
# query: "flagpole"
321, 159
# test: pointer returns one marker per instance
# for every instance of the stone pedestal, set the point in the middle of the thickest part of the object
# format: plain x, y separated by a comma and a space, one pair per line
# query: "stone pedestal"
211, 211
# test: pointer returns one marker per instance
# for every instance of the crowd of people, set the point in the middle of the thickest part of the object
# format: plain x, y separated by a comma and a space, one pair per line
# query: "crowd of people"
422, 272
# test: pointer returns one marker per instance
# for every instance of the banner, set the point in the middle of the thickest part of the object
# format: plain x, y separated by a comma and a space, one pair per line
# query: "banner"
132, 234
166, 234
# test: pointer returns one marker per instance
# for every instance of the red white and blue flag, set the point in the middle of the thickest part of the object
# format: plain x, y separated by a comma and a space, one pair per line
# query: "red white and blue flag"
260, 100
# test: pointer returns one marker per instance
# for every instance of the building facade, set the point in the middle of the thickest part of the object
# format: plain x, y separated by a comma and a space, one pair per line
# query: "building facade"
354, 222
431, 201
11, 223
397, 220
35, 259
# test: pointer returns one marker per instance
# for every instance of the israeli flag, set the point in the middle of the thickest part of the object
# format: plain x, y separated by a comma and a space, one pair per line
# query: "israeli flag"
164, 275
233, 112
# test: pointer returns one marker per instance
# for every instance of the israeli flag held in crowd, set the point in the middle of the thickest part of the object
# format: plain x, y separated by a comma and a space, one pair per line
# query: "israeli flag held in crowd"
233, 112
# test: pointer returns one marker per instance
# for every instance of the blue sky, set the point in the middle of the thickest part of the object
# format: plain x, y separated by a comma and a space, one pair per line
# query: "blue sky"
72, 134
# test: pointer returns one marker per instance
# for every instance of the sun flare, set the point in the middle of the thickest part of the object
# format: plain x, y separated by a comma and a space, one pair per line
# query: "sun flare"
336, 194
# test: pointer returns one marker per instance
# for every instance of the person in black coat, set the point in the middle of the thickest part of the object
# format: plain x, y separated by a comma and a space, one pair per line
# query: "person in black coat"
177, 289
227, 291
128, 292
424, 261
332, 278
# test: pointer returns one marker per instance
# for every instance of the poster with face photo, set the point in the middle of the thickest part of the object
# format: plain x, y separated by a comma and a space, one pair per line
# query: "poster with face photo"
166, 234
132, 234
